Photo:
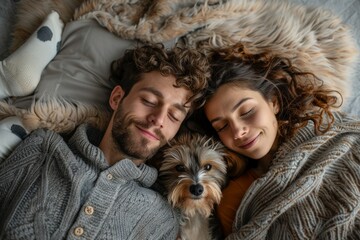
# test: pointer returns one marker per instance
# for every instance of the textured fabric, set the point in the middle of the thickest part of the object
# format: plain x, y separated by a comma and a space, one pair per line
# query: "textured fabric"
315, 39
233, 193
60, 191
311, 191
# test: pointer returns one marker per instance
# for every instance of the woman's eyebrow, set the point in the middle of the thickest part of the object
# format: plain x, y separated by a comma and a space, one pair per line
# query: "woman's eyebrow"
239, 103
236, 106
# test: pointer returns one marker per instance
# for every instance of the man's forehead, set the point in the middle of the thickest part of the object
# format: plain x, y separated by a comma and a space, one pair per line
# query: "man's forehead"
159, 81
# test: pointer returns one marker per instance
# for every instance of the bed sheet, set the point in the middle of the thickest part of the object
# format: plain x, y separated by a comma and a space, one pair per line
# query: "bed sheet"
348, 10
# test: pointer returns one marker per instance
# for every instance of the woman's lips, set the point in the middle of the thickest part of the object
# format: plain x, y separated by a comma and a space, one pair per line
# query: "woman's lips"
250, 143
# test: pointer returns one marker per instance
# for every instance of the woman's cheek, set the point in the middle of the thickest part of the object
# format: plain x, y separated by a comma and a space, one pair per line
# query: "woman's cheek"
226, 140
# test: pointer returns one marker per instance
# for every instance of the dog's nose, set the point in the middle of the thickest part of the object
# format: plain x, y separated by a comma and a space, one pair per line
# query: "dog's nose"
196, 189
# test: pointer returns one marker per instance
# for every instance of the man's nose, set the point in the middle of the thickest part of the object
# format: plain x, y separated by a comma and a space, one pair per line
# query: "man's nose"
157, 118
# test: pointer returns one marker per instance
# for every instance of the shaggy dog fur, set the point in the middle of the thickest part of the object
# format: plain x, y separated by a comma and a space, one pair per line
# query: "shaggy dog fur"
193, 172
193, 169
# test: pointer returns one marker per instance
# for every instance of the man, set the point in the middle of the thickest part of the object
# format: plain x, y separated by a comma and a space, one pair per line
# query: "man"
96, 186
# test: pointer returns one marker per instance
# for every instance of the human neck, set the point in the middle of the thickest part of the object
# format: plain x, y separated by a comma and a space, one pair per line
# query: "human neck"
265, 162
112, 153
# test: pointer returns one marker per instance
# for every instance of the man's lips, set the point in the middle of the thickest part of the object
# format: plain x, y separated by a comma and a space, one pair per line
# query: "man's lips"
250, 143
148, 134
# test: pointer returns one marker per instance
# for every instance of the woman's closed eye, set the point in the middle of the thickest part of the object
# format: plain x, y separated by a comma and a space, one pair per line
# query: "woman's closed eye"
221, 127
247, 113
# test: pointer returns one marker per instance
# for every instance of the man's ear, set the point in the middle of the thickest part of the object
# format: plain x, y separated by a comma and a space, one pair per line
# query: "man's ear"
116, 96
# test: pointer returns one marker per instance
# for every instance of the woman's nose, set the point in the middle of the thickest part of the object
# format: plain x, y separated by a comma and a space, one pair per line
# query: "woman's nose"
239, 131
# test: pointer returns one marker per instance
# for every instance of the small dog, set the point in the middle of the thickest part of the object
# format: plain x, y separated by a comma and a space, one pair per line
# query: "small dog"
193, 173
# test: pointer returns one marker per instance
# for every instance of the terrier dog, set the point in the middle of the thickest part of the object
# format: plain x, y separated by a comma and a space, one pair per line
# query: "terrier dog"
193, 173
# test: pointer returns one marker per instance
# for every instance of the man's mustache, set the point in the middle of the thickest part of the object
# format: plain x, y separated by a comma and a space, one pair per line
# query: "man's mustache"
146, 125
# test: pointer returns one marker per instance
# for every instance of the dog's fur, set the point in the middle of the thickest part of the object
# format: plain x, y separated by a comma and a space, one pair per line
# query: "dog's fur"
193, 172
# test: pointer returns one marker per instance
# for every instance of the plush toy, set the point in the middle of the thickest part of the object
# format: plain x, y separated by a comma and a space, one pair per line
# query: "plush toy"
20, 72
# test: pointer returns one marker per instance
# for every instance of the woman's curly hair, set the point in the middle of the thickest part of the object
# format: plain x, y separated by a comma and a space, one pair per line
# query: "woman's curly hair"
190, 67
301, 96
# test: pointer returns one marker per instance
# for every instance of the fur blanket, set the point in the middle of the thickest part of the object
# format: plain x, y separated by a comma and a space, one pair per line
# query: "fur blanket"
314, 39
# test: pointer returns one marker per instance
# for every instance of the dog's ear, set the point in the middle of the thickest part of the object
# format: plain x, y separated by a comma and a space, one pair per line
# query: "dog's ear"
236, 165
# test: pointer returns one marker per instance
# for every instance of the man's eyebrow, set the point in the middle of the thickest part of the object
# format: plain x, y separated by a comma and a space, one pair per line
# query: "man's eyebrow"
153, 91
160, 95
233, 108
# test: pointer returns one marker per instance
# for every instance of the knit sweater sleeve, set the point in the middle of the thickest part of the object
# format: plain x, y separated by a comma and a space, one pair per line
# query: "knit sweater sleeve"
16, 173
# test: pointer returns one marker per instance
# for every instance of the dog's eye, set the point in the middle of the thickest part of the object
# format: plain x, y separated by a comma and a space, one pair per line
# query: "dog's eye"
180, 168
207, 167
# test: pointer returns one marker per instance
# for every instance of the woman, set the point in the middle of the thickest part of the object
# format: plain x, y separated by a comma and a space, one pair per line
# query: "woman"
304, 179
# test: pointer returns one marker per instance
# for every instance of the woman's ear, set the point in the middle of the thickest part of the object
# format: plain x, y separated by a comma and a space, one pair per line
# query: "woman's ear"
275, 105
116, 96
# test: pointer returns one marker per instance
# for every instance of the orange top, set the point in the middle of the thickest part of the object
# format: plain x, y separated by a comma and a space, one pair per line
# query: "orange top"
233, 193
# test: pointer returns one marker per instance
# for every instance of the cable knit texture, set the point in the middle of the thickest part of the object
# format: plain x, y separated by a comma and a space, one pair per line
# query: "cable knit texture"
312, 190
60, 191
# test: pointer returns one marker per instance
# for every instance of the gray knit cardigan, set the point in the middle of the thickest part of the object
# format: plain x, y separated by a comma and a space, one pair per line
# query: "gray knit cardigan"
311, 191
53, 190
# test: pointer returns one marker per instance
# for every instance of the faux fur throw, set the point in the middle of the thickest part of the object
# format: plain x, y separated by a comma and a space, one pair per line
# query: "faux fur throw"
314, 39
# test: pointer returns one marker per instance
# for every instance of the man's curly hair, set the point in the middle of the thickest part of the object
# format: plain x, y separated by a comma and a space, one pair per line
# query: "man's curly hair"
189, 66
301, 96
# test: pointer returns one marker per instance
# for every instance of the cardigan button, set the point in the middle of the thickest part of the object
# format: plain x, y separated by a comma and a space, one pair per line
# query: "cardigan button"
89, 210
109, 176
78, 231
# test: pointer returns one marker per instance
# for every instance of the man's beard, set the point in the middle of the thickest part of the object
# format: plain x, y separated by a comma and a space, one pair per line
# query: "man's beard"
130, 144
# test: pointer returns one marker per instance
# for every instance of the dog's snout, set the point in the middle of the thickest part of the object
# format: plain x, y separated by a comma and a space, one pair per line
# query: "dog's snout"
196, 189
